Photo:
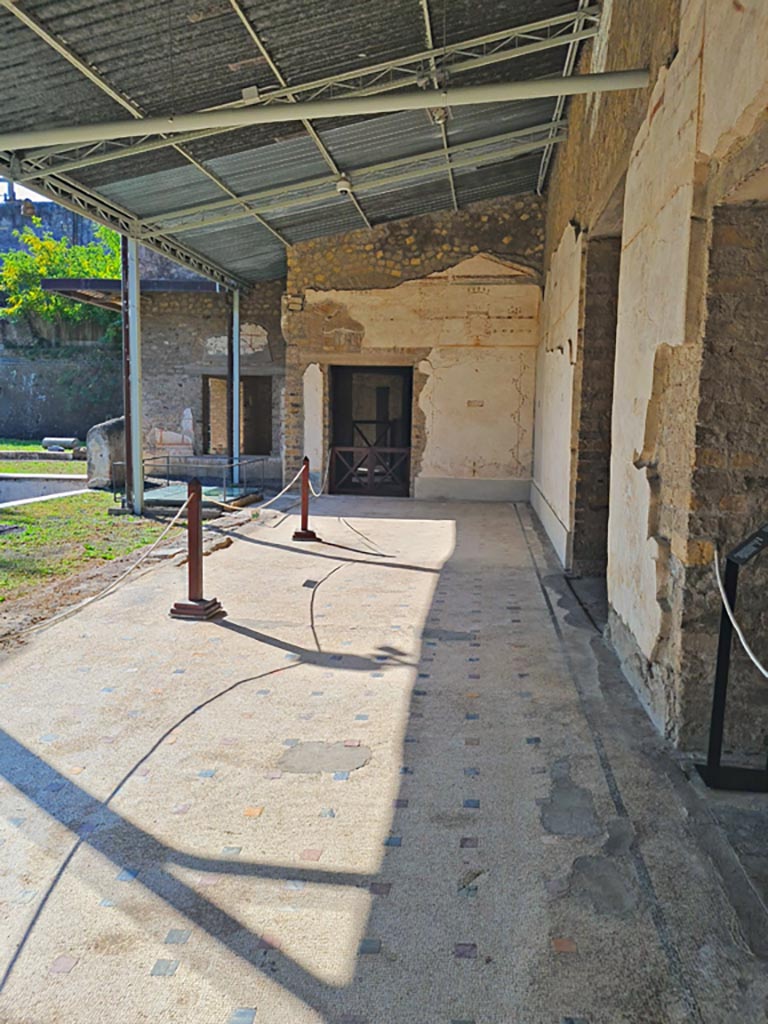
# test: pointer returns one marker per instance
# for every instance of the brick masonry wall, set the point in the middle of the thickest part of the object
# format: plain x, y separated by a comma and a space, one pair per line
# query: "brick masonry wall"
730, 478
184, 338
510, 228
593, 426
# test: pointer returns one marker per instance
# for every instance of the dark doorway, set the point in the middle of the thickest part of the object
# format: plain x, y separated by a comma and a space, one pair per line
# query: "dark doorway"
256, 415
371, 430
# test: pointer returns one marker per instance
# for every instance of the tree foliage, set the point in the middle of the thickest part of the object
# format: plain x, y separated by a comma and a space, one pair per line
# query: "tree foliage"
42, 255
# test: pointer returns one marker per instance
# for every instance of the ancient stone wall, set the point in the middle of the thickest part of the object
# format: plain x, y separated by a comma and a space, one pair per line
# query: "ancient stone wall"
730, 478
558, 365
56, 389
670, 155
339, 308
511, 228
184, 339
589, 165
18, 214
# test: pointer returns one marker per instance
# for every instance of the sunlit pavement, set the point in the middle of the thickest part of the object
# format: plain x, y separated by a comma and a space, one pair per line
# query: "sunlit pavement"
401, 783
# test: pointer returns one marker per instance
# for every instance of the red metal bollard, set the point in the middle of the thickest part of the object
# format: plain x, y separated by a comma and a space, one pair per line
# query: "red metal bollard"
305, 533
196, 607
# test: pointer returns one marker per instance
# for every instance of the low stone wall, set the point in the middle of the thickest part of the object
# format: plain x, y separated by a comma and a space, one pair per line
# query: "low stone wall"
20, 486
55, 390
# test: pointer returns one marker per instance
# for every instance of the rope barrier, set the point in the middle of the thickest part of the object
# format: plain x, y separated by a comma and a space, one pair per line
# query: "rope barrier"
67, 612
108, 589
318, 494
734, 623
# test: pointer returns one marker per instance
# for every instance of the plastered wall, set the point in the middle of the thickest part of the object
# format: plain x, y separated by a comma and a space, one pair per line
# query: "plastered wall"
697, 136
551, 494
471, 334
456, 297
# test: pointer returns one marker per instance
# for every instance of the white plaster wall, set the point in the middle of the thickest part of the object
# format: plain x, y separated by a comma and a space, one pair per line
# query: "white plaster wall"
734, 78
487, 306
480, 323
552, 472
653, 290
313, 418
478, 406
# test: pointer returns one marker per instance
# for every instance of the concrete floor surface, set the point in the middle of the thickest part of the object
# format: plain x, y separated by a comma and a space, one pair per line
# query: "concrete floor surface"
401, 783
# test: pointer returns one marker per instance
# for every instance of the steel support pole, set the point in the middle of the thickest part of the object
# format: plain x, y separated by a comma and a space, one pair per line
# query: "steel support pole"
127, 450
229, 402
236, 410
361, 106
135, 378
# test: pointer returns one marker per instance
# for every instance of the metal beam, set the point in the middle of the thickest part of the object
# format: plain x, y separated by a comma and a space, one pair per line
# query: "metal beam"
101, 83
436, 85
234, 384
78, 198
460, 162
455, 59
570, 62
359, 176
290, 96
503, 92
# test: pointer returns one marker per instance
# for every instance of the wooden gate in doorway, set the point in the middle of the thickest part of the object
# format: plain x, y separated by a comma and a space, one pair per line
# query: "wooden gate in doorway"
371, 430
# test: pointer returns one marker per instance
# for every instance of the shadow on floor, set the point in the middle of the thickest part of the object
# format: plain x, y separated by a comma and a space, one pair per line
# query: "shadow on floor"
455, 908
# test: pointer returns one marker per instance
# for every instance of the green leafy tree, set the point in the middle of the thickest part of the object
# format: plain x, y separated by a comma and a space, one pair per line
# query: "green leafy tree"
42, 255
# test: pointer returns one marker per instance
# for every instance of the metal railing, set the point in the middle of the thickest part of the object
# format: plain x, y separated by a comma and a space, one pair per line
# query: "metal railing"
231, 476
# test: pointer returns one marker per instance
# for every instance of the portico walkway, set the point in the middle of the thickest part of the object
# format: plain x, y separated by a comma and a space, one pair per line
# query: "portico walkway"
402, 783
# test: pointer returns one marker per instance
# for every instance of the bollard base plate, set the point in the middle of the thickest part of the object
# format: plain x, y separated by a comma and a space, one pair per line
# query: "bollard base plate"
305, 535
198, 610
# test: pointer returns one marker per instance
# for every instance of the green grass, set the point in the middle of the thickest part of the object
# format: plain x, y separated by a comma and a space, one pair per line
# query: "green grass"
63, 536
8, 444
43, 466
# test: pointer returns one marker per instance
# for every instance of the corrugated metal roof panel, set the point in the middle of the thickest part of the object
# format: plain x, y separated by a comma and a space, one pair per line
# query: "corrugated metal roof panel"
455, 20
327, 37
408, 199
480, 122
174, 57
281, 163
153, 193
40, 88
382, 138
508, 178
335, 218
245, 247
167, 57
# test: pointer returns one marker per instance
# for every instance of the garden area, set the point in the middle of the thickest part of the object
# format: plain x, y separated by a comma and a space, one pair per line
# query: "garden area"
62, 466
43, 540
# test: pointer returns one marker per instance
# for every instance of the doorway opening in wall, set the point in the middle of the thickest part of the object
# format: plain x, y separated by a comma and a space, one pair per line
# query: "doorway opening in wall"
595, 371
255, 420
595, 377
371, 430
